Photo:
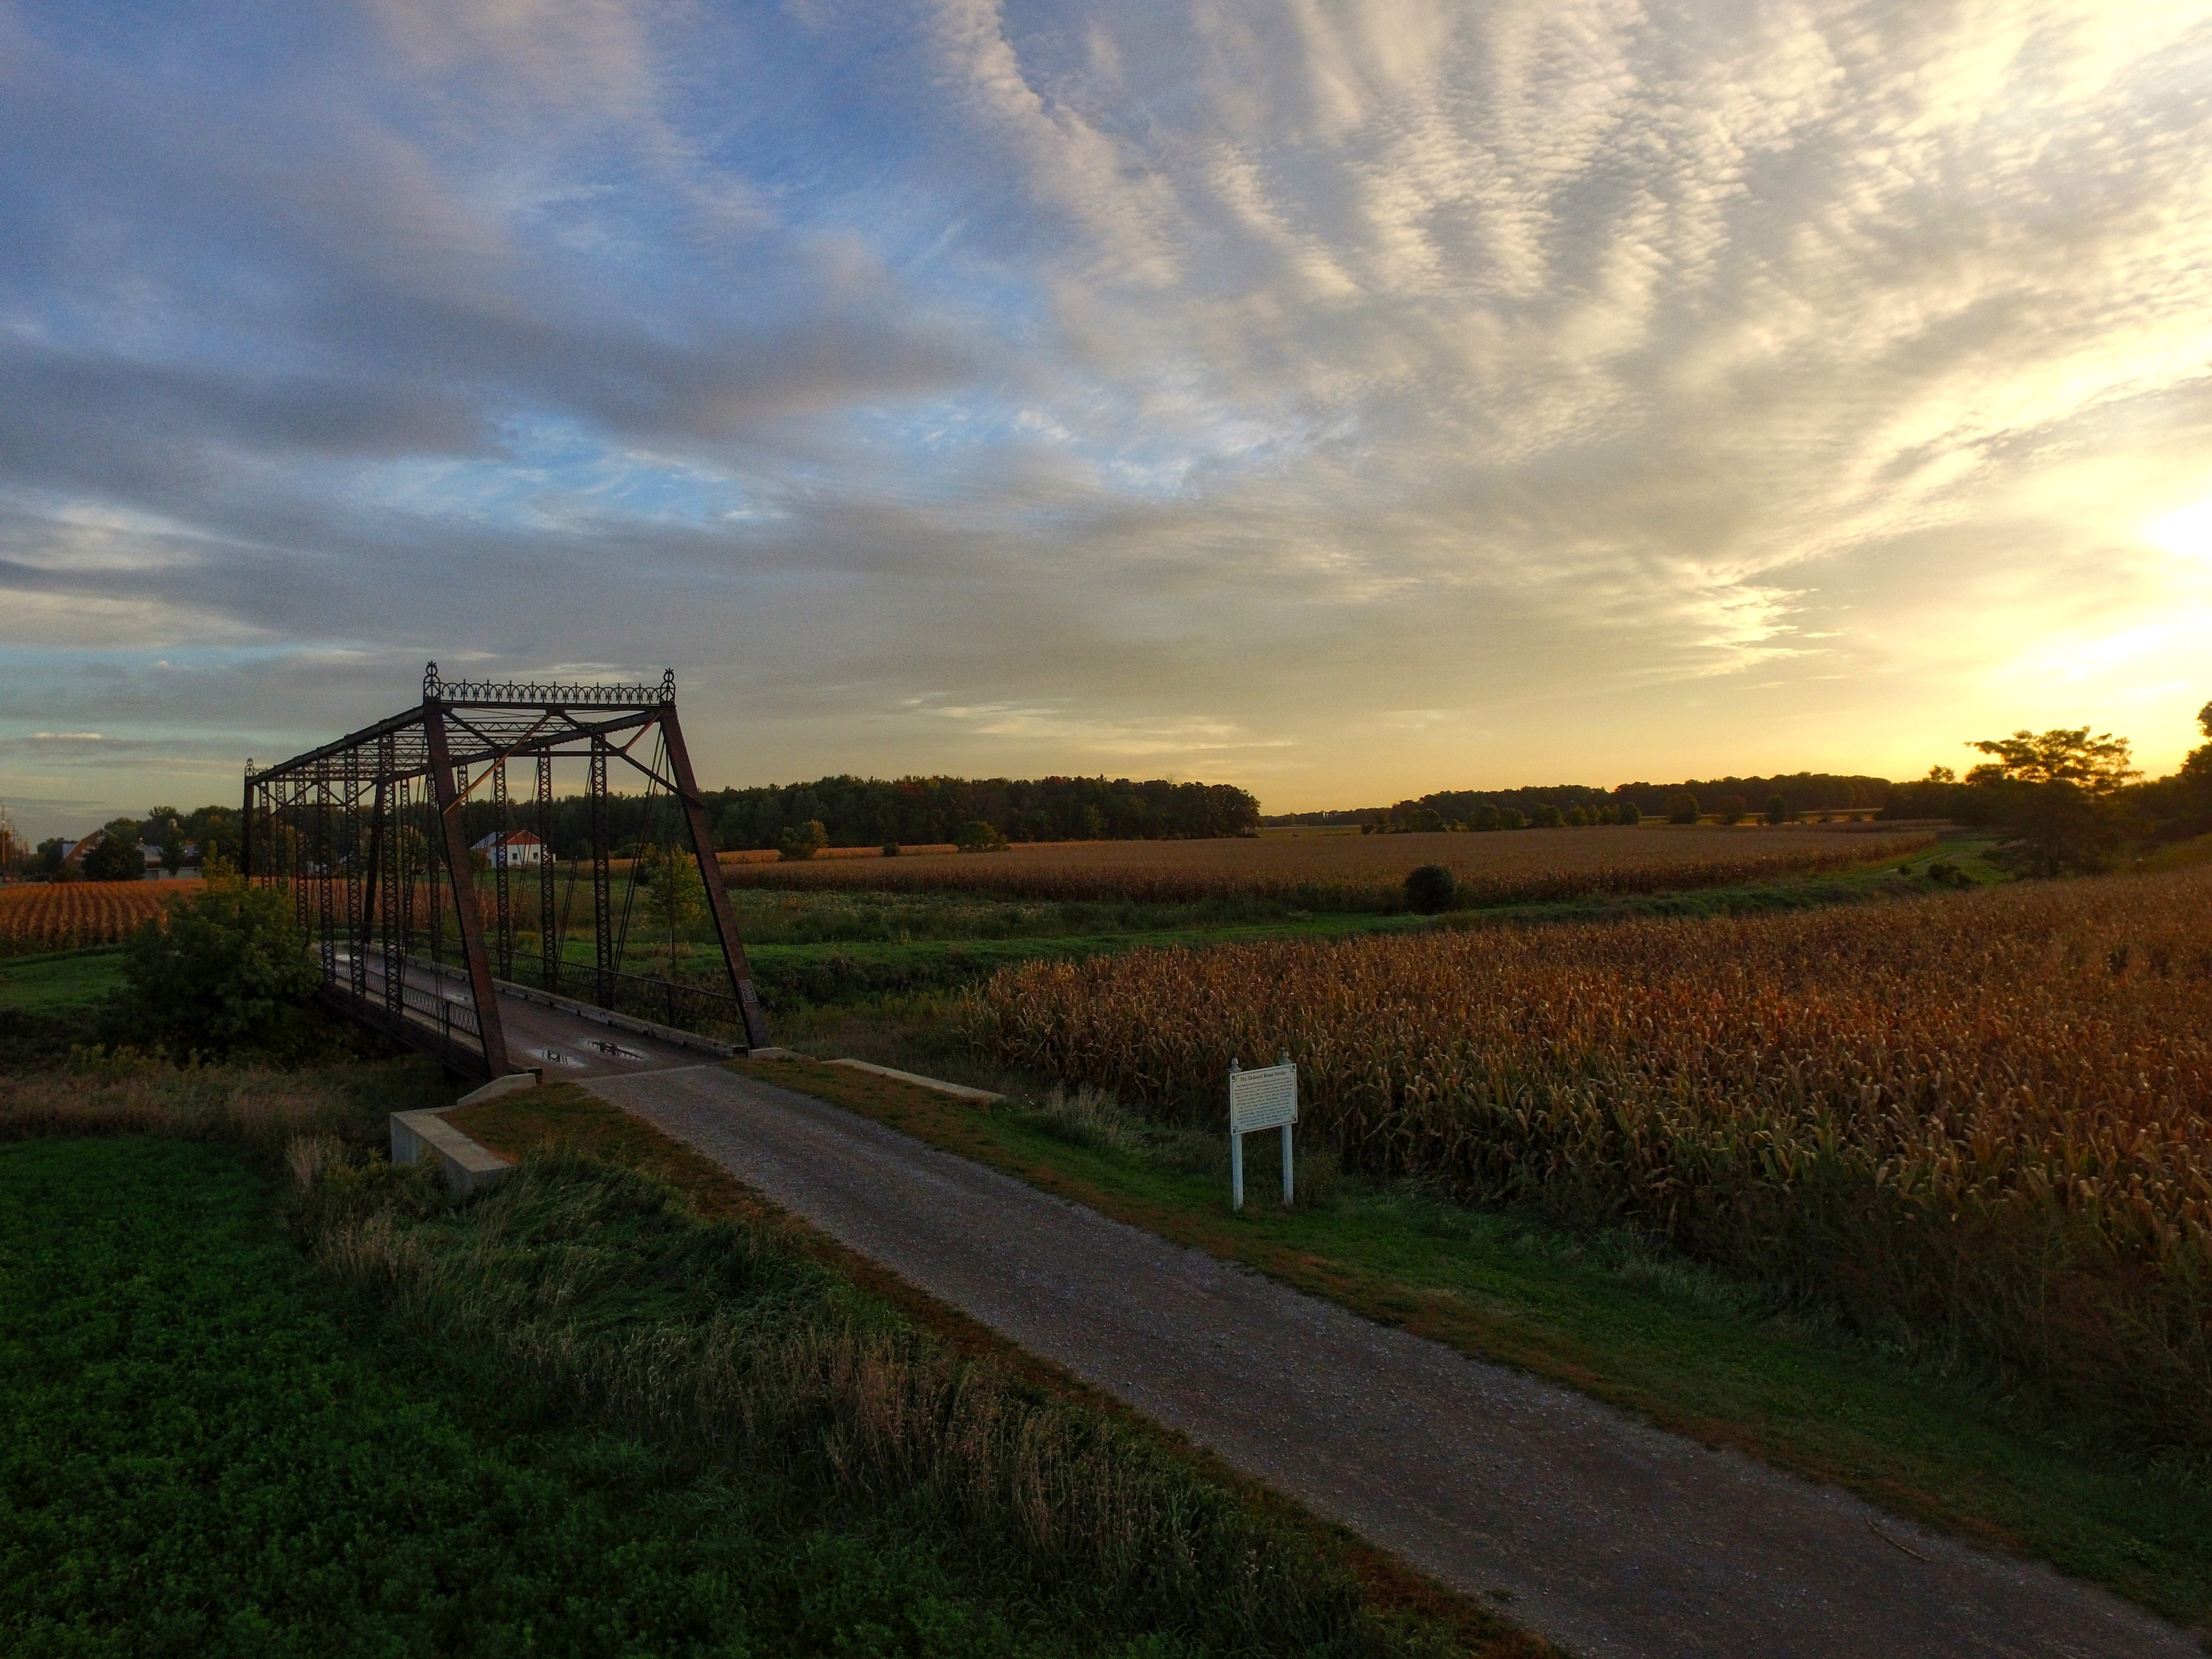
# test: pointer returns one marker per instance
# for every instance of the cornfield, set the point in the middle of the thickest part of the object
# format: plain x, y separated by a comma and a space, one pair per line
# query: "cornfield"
1352, 873
1980, 1123
62, 915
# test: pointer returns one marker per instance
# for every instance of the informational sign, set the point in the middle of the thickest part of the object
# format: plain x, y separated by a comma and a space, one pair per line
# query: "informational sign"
1264, 1099
1267, 1098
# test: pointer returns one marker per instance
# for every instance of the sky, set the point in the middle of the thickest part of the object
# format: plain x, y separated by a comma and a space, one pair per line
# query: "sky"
1343, 400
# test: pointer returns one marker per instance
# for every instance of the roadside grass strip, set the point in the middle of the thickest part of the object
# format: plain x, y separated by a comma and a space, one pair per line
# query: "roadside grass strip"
1716, 1360
1113, 1524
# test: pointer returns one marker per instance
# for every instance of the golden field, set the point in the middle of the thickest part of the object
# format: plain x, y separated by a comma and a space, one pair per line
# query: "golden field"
1326, 872
63, 916
1980, 1122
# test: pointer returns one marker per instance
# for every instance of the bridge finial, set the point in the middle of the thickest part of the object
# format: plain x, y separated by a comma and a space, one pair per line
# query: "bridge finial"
430, 679
668, 686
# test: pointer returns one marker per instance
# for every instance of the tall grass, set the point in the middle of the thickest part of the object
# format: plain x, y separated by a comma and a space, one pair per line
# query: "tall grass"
588, 1284
1981, 1120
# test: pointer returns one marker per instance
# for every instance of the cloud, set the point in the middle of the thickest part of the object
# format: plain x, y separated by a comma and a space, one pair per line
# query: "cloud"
1618, 385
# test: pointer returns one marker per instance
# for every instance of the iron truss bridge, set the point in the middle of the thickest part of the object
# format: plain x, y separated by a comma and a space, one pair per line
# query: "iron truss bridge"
428, 881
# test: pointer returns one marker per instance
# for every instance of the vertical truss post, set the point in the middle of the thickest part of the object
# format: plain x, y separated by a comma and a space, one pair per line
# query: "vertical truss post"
375, 884
710, 874
549, 922
465, 911
503, 934
603, 922
296, 824
246, 826
326, 851
356, 915
391, 803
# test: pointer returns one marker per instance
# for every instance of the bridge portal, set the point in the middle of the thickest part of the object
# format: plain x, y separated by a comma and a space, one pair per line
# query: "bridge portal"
434, 890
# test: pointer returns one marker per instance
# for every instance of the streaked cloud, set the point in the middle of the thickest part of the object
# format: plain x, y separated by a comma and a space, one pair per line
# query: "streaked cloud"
1345, 398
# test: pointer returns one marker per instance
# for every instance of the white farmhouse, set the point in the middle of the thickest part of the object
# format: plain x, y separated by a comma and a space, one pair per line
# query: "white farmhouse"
518, 849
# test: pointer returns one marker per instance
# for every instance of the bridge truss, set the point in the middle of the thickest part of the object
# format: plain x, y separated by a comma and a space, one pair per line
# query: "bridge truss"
372, 836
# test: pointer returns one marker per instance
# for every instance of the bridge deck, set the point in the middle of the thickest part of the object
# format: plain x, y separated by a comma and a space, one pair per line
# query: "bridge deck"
555, 1041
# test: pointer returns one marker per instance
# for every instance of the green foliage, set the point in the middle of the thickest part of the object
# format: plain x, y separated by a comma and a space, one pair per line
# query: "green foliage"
1629, 812
923, 811
2056, 796
210, 1449
1508, 817
1731, 808
230, 971
1429, 890
1549, 817
803, 840
1683, 809
675, 895
1778, 810
980, 836
1485, 817
117, 858
890, 849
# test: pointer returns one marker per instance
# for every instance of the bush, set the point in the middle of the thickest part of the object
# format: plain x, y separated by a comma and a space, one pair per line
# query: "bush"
1778, 810
1486, 817
803, 840
1429, 890
230, 972
1731, 808
115, 860
1683, 809
1630, 813
890, 849
980, 837
1510, 819
1549, 817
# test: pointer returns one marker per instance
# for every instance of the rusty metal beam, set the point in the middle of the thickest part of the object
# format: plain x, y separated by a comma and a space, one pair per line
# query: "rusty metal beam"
710, 876
466, 908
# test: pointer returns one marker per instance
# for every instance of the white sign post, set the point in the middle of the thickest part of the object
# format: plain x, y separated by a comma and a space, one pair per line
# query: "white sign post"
1264, 1099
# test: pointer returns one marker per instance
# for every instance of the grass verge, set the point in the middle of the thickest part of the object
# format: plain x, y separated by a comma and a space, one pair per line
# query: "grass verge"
1399, 1610
1686, 1347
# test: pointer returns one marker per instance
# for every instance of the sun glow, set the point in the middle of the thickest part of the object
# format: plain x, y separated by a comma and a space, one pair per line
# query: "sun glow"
2186, 534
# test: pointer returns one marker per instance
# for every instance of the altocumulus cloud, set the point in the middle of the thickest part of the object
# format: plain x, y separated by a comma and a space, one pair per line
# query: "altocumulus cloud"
1339, 398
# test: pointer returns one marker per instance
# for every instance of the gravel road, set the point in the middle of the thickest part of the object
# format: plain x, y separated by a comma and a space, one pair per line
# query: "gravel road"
1608, 1536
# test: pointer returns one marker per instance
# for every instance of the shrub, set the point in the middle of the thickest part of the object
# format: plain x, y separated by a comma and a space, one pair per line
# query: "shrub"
230, 972
1510, 819
1549, 817
1429, 890
980, 837
803, 840
1630, 813
1778, 810
1683, 809
890, 849
1578, 818
1731, 808
115, 860
1486, 817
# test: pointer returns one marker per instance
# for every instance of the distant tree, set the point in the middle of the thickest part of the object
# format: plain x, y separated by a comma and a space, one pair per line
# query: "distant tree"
890, 849
1486, 817
1730, 809
980, 836
117, 858
803, 840
1630, 813
230, 971
1548, 816
674, 893
1508, 817
49, 855
1578, 816
1778, 810
1429, 890
1683, 809
2056, 798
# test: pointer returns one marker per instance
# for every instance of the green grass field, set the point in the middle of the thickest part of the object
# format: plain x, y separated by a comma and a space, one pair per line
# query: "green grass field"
1720, 1361
60, 980
210, 1449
